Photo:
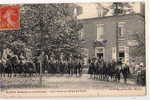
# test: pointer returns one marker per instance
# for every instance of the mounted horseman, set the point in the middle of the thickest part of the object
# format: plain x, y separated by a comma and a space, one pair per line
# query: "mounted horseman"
14, 64
5, 60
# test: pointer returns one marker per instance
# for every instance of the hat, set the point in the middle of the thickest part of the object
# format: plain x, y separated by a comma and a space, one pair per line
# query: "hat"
22, 57
141, 64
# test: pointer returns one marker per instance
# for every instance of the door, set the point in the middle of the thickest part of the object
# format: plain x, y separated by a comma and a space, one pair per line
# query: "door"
100, 55
99, 52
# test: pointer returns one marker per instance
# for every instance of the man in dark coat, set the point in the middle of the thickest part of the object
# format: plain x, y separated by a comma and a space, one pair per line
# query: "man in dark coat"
125, 72
91, 68
118, 71
78, 68
37, 65
8, 67
61, 64
143, 76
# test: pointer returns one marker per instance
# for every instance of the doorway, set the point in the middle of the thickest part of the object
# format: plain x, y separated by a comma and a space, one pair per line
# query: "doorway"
99, 52
121, 56
100, 55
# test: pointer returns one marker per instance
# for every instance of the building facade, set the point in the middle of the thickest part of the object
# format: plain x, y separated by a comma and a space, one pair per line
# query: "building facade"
103, 35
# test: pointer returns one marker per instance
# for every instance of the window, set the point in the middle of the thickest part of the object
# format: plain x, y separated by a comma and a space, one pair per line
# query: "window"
100, 12
121, 29
100, 31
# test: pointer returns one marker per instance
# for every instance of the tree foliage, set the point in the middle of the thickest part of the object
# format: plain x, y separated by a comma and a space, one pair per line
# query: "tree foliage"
45, 27
121, 8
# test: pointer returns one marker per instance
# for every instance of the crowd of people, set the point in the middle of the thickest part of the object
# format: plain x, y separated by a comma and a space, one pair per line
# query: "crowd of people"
98, 69
14, 65
114, 71
108, 71
140, 72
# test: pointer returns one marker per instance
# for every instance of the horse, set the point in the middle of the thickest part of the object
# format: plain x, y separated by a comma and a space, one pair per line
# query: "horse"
29, 68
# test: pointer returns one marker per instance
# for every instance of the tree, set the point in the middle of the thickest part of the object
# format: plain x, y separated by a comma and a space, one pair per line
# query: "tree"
46, 27
121, 8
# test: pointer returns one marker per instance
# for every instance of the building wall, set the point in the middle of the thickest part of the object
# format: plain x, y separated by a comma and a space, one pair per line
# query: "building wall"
134, 23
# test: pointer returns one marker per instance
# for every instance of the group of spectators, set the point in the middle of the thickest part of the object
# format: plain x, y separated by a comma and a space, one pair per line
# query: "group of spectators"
114, 71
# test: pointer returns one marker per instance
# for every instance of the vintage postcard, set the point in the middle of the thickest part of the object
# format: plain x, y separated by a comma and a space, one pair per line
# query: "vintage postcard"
72, 49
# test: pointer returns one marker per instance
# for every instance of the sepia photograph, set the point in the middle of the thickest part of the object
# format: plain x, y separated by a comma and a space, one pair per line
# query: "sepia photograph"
72, 49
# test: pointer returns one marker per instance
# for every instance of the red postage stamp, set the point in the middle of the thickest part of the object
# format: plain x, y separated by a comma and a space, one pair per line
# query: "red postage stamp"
10, 17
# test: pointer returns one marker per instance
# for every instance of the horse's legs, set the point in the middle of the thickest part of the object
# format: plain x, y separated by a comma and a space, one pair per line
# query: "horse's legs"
0, 75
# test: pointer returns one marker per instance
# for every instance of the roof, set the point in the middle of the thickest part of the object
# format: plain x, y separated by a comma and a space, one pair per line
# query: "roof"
107, 17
